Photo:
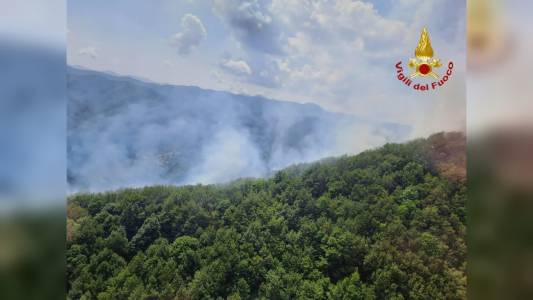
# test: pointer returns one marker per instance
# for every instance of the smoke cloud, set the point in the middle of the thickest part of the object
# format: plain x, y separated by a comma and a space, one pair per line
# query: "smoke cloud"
127, 133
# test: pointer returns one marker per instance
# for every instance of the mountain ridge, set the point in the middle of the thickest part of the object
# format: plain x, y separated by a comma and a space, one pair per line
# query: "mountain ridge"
120, 77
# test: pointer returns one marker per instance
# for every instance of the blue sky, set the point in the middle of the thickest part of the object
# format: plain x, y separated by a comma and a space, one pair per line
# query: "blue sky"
338, 54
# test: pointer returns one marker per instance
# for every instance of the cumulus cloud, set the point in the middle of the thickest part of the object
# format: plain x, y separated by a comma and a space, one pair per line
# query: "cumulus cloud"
91, 52
237, 67
265, 72
335, 53
341, 22
192, 34
268, 74
317, 50
251, 23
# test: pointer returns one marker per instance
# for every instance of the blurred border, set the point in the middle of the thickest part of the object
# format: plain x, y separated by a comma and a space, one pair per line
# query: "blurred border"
500, 150
33, 147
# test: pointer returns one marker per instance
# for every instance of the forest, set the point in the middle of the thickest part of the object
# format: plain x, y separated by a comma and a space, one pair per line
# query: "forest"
388, 223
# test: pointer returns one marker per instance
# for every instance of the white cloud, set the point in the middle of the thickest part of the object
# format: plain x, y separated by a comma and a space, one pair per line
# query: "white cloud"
317, 50
90, 51
343, 21
251, 24
338, 54
236, 66
192, 34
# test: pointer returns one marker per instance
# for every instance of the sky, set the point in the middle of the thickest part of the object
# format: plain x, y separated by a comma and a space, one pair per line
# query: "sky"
340, 54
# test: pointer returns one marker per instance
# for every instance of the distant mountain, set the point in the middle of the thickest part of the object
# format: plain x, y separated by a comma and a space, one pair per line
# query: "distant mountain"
124, 132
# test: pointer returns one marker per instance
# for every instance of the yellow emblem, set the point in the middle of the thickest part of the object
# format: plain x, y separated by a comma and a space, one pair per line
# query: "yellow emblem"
424, 63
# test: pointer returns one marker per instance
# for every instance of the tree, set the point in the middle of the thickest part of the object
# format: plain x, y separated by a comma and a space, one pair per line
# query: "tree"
147, 234
351, 288
383, 224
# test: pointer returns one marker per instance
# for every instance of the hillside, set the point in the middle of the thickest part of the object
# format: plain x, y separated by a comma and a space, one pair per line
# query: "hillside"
123, 132
385, 224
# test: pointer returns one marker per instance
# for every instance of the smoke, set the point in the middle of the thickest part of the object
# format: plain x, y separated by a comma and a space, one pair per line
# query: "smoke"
127, 133
230, 154
447, 111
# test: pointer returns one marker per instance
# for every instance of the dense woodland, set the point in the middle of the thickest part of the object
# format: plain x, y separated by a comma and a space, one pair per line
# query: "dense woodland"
385, 224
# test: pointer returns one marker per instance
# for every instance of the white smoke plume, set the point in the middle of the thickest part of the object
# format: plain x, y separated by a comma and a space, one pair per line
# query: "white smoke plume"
128, 133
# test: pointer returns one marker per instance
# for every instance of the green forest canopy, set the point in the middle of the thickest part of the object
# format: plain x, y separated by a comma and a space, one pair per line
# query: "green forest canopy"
384, 224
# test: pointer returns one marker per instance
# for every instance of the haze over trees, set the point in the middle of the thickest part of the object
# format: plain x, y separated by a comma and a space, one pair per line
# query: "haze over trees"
385, 224
124, 132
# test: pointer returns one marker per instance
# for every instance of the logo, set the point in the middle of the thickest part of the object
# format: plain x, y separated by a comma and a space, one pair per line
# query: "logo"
424, 65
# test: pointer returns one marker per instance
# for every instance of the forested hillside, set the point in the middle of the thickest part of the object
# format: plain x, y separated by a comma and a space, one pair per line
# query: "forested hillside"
384, 224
